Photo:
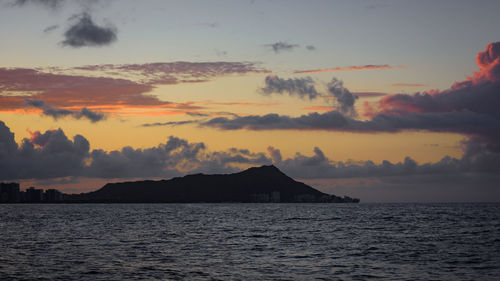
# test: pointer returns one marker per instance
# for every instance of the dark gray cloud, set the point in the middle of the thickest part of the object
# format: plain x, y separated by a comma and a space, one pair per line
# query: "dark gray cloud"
310, 47
91, 115
57, 113
282, 46
53, 155
301, 87
369, 94
345, 99
85, 33
171, 123
47, 155
463, 122
305, 87
51, 28
479, 157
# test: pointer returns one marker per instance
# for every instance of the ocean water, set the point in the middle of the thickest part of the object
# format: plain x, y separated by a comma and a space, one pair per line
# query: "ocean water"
250, 242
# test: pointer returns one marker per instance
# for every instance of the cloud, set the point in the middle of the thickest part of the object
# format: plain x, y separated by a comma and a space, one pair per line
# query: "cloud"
89, 114
478, 158
464, 122
171, 123
345, 99
369, 94
51, 4
489, 64
59, 113
304, 87
476, 96
351, 68
282, 46
469, 107
112, 92
60, 90
85, 33
301, 87
45, 155
51, 155
310, 48
318, 108
51, 28
408, 85
161, 73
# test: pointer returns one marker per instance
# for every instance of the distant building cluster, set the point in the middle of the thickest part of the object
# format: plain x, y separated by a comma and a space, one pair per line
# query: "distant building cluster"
273, 197
10, 193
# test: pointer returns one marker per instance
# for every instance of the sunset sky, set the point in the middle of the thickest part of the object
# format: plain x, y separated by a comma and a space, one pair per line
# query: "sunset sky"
388, 101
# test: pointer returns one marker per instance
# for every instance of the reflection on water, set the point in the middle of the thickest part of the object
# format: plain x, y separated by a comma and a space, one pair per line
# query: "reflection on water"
250, 241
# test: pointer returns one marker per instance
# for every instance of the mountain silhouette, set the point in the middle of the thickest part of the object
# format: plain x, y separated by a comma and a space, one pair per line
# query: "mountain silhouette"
258, 184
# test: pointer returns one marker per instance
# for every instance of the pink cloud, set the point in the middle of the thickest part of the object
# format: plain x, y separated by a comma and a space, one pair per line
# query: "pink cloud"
478, 94
126, 86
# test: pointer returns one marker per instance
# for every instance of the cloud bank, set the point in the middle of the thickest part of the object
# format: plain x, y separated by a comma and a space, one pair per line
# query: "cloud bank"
51, 155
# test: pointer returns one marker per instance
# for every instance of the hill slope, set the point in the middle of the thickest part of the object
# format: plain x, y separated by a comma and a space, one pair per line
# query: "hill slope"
260, 184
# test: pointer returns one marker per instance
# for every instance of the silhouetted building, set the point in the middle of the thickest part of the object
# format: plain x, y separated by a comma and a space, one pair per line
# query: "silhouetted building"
34, 195
9, 192
275, 197
53, 195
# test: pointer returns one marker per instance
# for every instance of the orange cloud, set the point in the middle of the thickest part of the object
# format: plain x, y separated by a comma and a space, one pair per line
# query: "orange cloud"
53, 86
236, 103
319, 108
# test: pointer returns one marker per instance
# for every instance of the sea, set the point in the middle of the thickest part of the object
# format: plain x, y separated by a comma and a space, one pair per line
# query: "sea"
250, 241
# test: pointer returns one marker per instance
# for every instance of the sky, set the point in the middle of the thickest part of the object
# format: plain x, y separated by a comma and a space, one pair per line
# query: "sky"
387, 101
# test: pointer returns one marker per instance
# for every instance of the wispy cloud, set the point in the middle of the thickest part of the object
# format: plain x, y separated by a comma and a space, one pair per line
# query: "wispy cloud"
51, 28
404, 85
113, 91
351, 68
281, 46
171, 123
369, 94
310, 47
319, 108
57, 113
51, 4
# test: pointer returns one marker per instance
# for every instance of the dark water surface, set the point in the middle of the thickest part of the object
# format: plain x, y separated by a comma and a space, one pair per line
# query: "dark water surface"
250, 241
